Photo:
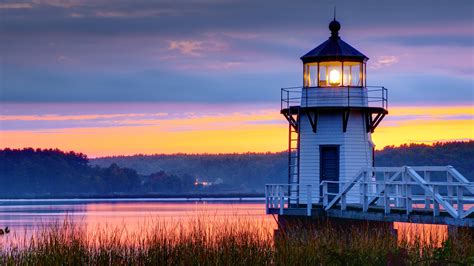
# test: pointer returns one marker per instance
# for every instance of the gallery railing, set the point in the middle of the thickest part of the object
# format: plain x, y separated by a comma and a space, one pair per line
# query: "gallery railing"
370, 96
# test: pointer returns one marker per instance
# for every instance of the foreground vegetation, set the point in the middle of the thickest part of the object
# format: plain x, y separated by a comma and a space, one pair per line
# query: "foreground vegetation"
234, 243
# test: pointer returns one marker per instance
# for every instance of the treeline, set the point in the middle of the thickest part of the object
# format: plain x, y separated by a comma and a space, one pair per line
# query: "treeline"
51, 172
246, 172
250, 171
459, 154
31, 172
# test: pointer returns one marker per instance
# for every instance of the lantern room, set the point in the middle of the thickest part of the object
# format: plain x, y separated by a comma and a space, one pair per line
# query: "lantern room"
334, 63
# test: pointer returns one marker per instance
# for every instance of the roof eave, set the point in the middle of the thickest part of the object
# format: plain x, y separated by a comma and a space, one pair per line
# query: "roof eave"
313, 59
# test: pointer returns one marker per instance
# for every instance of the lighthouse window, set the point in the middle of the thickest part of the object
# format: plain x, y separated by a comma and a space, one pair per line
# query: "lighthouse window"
310, 75
330, 74
352, 74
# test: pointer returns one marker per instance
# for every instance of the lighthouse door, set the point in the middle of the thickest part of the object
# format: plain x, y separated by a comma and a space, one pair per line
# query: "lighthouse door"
329, 167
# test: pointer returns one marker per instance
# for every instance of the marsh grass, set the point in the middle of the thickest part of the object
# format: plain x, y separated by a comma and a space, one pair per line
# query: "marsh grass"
221, 241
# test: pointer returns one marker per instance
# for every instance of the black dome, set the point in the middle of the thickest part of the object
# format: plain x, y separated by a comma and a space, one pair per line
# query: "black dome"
334, 27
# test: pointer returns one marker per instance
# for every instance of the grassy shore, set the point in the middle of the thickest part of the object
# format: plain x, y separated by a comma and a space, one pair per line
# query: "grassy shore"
231, 243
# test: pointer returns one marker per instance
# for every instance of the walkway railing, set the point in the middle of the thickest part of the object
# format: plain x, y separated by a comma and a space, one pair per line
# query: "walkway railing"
432, 190
277, 196
373, 96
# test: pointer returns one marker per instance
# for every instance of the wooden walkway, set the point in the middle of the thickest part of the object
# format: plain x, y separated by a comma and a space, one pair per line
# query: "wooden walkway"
433, 195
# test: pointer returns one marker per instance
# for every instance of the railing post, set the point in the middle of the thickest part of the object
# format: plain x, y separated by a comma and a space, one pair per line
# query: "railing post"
398, 192
306, 97
343, 202
427, 199
386, 198
378, 189
270, 196
449, 180
266, 199
276, 192
282, 200
309, 203
281, 99
408, 199
407, 192
401, 193
325, 194
365, 203
435, 203
348, 97
460, 202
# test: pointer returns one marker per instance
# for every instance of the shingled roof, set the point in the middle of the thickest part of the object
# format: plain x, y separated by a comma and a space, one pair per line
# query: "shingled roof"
334, 49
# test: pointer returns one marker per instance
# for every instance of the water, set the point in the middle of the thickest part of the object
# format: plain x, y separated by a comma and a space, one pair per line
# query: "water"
133, 216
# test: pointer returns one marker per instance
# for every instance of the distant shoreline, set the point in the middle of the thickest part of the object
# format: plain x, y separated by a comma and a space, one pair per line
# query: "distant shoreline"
167, 197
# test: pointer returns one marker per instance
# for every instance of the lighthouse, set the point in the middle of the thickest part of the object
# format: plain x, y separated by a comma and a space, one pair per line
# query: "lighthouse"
331, 171
331, 119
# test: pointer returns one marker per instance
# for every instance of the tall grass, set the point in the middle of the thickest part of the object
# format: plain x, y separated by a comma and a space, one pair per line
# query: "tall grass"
231, 242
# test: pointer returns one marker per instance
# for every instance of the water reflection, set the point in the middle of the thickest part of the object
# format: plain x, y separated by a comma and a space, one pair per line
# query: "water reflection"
424, 234
129, 218
132, 218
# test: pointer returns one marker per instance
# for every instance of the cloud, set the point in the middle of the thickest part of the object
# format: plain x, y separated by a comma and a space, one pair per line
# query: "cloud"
64, 59
224, 65
197, 47
132, 13
215, 116
450, 39
76, 15
241, 35
227, 50
193, 48
15, 5
384, 61
66, 4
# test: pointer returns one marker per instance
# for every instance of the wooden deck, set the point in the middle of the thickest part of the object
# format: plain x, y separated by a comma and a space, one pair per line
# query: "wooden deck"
376, 213
430, 195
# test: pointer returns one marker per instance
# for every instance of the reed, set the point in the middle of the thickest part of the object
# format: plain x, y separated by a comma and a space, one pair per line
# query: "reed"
231, 242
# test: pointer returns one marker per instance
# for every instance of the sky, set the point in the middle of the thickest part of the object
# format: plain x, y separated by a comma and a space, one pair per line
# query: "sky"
204, 76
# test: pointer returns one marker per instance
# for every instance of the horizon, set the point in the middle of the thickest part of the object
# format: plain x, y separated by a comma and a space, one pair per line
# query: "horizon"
238, 153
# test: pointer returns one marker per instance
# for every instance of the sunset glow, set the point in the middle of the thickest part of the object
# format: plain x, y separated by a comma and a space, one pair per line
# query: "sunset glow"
150, 130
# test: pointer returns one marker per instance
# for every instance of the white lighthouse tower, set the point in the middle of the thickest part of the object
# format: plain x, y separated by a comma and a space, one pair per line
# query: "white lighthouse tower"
331, 118
331, 171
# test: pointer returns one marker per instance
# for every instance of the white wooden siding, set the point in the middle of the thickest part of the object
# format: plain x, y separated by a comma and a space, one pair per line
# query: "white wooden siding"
355, 149
334, 97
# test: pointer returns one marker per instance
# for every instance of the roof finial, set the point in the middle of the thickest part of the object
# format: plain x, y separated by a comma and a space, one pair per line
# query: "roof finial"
334, 26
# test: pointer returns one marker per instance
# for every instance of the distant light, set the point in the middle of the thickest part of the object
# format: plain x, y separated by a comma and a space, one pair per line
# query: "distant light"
334, 77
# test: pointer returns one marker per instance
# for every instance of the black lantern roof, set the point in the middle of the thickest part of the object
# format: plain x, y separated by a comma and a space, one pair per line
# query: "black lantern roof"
334, 49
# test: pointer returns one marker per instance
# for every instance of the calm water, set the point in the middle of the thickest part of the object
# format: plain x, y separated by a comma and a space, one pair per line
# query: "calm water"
133, 216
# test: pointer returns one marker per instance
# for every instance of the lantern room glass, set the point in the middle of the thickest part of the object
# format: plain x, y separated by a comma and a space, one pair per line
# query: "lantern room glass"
330, 74
334, 74
352, 74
